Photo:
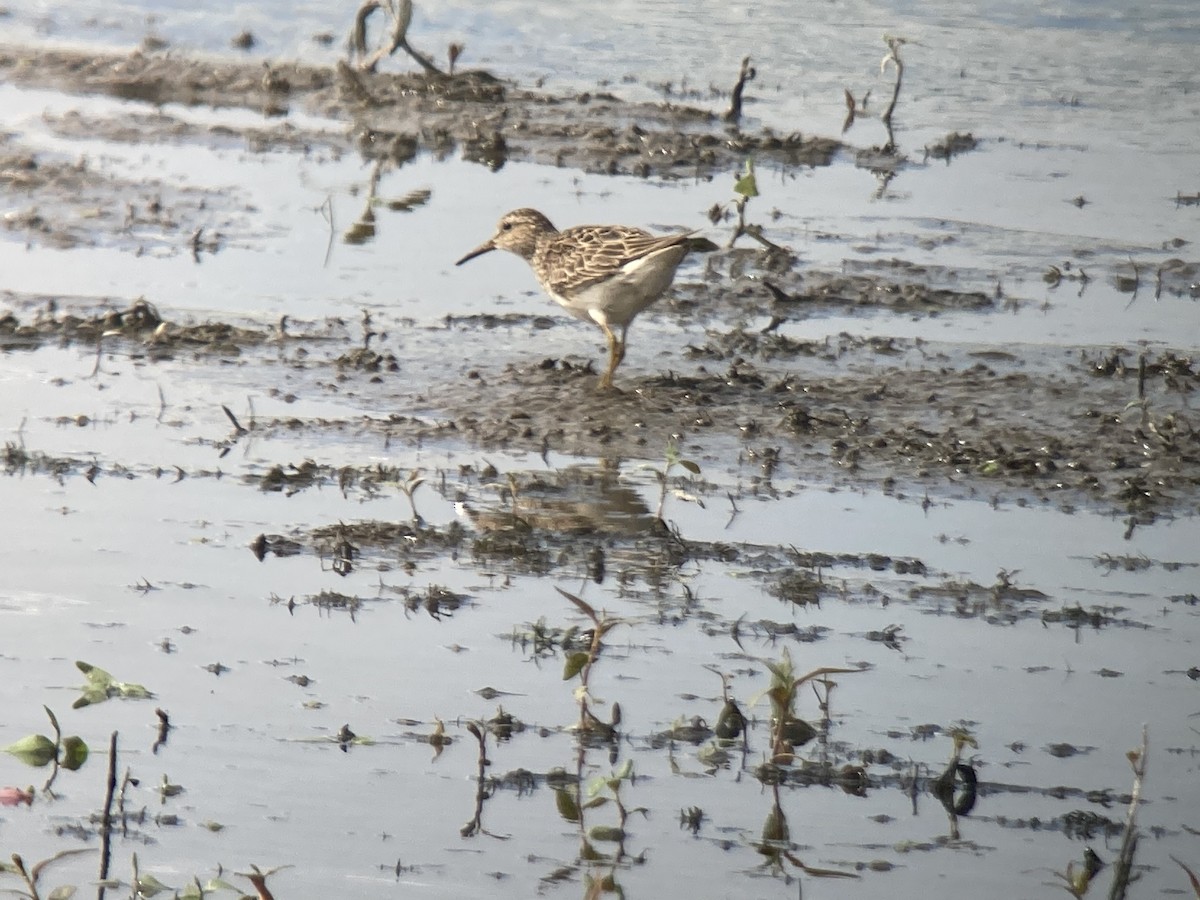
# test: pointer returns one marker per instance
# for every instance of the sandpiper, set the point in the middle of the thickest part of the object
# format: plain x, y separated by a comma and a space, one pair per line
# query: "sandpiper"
605, 274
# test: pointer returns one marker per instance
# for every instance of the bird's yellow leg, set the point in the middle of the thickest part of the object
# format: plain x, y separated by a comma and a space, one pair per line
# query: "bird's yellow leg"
616, 352
621, 345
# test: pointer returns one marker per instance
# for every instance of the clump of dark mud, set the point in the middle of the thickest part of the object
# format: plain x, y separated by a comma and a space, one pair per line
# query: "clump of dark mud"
140, 321
397, 115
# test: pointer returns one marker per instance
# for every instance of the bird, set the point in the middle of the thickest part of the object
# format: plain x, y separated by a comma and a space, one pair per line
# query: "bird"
605, 274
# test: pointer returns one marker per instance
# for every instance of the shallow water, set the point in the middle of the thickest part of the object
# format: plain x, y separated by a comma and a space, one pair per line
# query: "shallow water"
1089, 101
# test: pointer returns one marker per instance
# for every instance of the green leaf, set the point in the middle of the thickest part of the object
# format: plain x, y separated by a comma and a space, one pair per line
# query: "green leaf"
625, 772
97, 688
62, 892
595, 785
567, 807
36, 872
595, 802
148, 886
692, 467
90, 696
35, 750
712, 755
606, 833
101, 685
74, 753
129, 691
94, 674
574, 665
746, 185
775, 828
167, 789
53, 718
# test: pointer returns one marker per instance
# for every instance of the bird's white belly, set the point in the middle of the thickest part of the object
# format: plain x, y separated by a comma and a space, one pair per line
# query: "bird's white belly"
619, 298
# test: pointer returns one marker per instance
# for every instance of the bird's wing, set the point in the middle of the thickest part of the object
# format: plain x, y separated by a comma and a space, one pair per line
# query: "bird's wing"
587, 254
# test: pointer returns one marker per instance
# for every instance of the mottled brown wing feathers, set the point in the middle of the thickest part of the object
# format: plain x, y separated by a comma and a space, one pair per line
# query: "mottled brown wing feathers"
582, 256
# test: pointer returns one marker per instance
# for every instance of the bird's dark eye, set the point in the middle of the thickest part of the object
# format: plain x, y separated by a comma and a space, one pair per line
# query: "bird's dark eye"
506, 226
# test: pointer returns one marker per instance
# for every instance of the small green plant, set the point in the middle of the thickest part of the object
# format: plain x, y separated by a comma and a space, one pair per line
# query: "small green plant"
409, 487
745, 186
673, 459
892, 57
38, 750
101, 686
788, 730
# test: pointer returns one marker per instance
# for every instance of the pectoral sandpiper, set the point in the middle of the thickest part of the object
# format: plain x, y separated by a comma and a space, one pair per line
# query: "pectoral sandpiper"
605, 274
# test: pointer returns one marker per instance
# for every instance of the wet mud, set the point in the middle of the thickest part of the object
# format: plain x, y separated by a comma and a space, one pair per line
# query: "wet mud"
396, 116
1072, 428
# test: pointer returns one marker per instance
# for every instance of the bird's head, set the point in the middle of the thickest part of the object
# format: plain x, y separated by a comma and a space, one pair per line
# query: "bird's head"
518, 232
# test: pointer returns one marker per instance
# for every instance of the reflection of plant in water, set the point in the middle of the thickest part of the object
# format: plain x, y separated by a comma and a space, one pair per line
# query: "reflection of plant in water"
1192, 876
484, 787
363, 230
956, 788
777, 848
605, 789
148, 886
32, 875
573, 806
571, 798
580, 662
141, 885
1123, 864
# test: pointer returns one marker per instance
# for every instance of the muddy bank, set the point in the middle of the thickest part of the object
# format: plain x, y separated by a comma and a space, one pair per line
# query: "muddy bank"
1074, 428
1084, 427
395, 116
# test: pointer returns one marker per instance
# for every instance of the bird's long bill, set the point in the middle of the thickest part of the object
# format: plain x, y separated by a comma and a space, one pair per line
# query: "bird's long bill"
485, 247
